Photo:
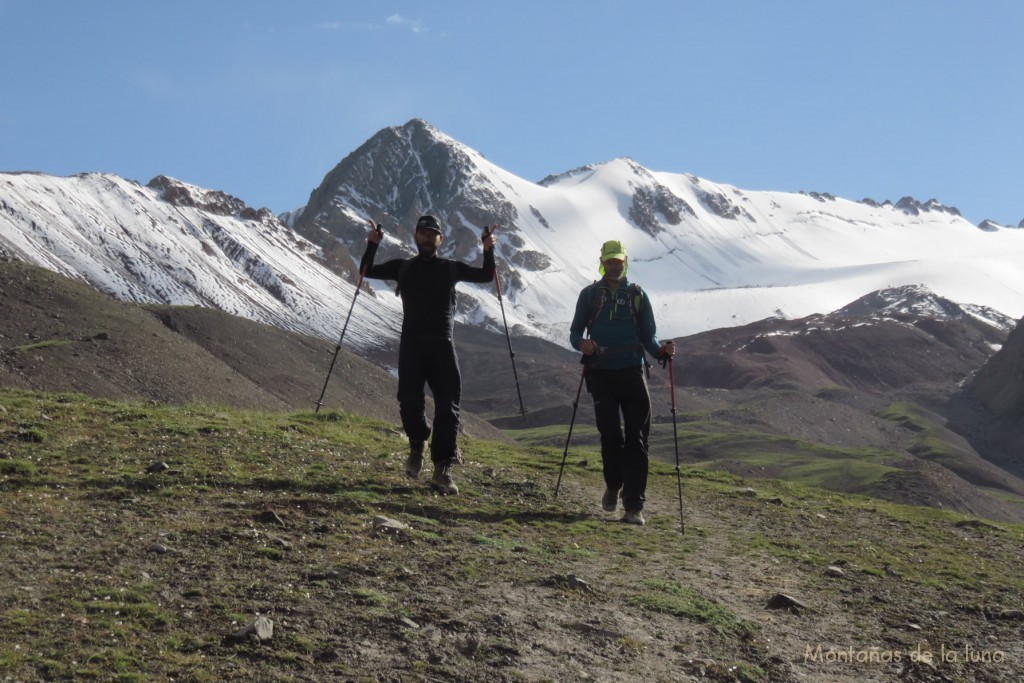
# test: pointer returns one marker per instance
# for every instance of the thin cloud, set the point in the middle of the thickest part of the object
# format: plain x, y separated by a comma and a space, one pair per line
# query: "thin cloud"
347, 26
414, 24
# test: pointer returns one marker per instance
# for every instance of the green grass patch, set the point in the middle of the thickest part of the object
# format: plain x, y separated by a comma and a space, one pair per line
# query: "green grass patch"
46, 344
681, 601
17, 467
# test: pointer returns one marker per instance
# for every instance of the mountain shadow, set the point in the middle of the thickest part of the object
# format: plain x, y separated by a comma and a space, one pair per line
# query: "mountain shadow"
59, 335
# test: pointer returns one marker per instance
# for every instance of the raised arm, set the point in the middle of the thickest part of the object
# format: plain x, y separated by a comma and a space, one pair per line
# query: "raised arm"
467, 273
385, 271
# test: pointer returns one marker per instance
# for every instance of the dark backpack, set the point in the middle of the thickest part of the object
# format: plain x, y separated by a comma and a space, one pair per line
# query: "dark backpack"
597, 299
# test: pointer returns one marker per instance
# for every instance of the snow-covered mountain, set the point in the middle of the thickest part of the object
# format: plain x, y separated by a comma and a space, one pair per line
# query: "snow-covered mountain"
711, 255
169, 242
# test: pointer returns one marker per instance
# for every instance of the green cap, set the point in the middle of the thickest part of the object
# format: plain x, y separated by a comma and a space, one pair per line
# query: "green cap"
613, 249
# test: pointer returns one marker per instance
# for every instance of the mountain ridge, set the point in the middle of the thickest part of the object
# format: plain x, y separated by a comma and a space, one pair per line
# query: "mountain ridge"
711, 255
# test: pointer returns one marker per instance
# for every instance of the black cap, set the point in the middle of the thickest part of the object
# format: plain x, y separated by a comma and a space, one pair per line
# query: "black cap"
428, 222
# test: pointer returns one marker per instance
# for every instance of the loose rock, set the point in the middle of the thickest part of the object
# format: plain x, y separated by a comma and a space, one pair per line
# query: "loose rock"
261, 628
270, 517
577, 584
385, 525
788, 602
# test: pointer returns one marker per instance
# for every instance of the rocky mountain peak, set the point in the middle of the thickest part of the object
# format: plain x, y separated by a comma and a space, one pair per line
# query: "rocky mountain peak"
908, 205
909, 299
400, 173
214, 201
912, 207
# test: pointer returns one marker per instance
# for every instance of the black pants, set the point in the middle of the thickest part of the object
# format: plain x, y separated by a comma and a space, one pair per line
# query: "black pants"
431, 362
621, 398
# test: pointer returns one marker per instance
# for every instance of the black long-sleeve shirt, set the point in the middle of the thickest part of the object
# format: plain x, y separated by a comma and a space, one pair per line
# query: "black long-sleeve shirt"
427, 289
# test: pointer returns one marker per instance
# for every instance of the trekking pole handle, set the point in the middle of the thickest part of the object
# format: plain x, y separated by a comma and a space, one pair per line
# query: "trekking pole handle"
374, 225
665, 359
489, 231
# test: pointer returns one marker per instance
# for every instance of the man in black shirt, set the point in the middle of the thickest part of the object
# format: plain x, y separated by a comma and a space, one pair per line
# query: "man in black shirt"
426, 352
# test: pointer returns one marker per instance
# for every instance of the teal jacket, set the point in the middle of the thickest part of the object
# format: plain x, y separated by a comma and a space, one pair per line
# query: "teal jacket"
621, 338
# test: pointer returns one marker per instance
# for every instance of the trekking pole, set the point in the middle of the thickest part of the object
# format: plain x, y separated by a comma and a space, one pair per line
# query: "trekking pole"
359, 285
675, 436
572, 421
512, 356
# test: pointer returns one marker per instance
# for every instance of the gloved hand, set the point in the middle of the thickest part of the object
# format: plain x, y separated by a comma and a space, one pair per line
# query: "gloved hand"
488, 237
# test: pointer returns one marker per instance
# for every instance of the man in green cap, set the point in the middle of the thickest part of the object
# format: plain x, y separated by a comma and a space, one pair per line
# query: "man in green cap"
618, 320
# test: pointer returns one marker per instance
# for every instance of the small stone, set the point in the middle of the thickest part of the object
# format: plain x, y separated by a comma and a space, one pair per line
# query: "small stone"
783, 601
383, 525
470, 647
261, 628
577, 584
834, 571
158, 467
332, 574
406, 621
270, 517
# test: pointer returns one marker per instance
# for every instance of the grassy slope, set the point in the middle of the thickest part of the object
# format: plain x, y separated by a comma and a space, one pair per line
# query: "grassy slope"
718, 444
111, 572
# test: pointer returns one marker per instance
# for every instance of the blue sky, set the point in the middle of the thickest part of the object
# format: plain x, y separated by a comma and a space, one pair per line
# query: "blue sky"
261, 99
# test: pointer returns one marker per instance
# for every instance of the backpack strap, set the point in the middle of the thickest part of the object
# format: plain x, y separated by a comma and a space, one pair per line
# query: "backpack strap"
636, 302
597, 300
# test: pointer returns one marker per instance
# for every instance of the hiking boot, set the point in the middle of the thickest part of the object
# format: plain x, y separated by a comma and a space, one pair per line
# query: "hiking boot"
442, 480
610, 500
634, 517
414, 463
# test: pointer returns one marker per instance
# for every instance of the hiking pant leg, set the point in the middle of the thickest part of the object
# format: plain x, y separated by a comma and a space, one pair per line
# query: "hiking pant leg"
411, 380
601, 385
445, 381
636, 410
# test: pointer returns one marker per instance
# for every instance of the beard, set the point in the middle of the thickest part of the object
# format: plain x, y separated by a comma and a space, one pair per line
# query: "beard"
426, 250
614, 276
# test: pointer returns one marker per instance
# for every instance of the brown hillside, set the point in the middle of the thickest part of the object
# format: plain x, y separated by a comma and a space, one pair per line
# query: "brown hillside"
791, 390
990, 410
60, 335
